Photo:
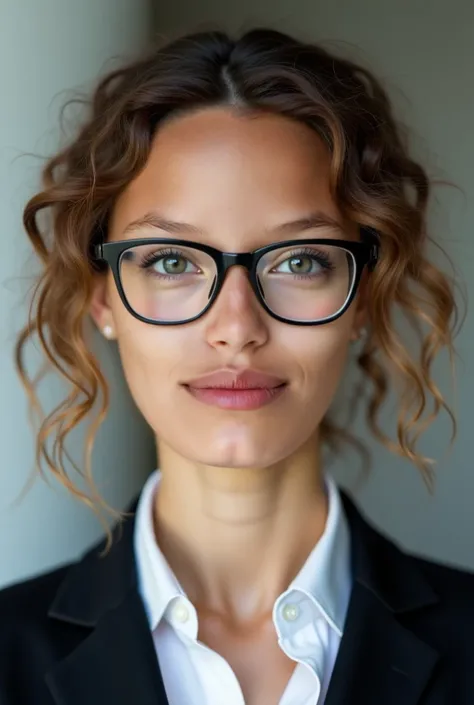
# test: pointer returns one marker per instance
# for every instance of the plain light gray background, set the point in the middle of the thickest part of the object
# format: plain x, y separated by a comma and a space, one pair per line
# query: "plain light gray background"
46, 49
424, 52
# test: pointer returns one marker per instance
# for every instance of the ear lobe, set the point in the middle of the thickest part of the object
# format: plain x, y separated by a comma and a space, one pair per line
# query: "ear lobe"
100, 310
361, 313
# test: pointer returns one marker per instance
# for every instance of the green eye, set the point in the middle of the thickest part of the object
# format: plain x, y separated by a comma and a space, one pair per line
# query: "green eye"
300, 265
173, 264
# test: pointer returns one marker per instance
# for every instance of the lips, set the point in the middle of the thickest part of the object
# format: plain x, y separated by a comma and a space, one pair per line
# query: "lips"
248, 379
242, 391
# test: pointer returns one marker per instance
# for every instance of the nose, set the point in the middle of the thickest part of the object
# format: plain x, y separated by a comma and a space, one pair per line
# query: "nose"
236, 322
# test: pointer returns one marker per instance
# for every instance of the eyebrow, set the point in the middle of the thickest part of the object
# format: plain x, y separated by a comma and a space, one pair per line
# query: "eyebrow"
154, 220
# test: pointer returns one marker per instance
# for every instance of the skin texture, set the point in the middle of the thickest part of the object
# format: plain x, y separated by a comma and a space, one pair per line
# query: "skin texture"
241, 502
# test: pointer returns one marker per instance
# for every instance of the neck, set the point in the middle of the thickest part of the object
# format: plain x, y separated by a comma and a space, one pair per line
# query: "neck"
235, 537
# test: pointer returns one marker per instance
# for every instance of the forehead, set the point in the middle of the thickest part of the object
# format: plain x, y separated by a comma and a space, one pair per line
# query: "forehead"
230, 173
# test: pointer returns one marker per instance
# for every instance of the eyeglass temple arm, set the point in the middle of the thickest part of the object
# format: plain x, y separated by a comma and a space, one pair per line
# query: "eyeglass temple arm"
373, 239
98, 252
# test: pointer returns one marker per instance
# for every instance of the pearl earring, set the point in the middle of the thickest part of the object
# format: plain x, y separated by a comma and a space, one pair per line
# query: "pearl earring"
108, 331
361, 333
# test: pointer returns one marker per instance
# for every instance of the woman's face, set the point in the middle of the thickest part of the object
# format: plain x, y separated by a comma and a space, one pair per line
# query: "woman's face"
235, 180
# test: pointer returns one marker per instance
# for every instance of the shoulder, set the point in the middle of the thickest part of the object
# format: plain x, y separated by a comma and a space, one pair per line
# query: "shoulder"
455, 586
30, 642
46, 618
42, 586
435, 599
432, 597
447, 623
24, 608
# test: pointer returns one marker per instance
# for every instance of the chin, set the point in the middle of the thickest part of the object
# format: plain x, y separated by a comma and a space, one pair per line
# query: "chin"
237, 461
240, 449
231, 441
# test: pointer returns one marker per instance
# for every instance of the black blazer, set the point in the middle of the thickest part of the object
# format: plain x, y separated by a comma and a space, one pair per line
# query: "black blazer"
79, 635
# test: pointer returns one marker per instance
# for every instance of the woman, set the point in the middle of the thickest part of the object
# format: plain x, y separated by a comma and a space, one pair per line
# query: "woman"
233, 214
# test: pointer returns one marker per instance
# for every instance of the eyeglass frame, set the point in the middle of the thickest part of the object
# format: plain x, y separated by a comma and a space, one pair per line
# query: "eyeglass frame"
364, 252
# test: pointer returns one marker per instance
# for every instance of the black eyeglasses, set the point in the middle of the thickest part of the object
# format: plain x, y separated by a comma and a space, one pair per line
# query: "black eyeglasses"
165, 281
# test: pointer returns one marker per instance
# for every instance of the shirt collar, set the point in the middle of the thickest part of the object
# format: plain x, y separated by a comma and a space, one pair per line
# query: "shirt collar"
157, 583
325, 576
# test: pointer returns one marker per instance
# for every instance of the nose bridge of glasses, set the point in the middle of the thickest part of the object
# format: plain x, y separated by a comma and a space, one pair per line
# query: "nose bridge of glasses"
237, 259
241, 259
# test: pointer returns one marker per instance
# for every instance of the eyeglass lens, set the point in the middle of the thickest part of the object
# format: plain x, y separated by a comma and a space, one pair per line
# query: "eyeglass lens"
306, 283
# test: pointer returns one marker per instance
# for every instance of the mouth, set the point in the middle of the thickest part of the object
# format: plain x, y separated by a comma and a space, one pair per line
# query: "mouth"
243, 391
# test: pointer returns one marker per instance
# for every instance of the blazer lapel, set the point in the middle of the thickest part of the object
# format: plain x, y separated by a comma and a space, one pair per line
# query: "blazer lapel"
115, 664
380, 659
113, 658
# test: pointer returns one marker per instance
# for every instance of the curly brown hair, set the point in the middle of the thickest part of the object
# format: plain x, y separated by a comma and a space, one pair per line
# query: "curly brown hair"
373, 179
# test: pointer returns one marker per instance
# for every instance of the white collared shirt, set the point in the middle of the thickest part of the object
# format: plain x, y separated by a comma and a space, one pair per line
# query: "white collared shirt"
308, 617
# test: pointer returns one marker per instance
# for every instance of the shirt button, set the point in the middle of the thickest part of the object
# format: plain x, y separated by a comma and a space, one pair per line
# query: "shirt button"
181, 613
290, 612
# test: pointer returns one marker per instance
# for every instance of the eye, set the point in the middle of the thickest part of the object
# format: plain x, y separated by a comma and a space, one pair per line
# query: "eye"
299, 264
304, 263
173, 264
168, 264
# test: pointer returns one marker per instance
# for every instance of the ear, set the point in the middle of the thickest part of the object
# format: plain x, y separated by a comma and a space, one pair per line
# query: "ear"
361, 317
100, 310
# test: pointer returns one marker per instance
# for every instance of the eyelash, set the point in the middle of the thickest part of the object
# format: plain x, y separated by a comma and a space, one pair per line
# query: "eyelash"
320, 257
153, 257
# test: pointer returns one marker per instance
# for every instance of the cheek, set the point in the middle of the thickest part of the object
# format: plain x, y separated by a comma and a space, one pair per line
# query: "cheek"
321, 354
151, 358
147, 352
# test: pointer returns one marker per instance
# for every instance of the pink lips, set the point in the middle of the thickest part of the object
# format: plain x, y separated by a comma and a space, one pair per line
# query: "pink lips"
239, 391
